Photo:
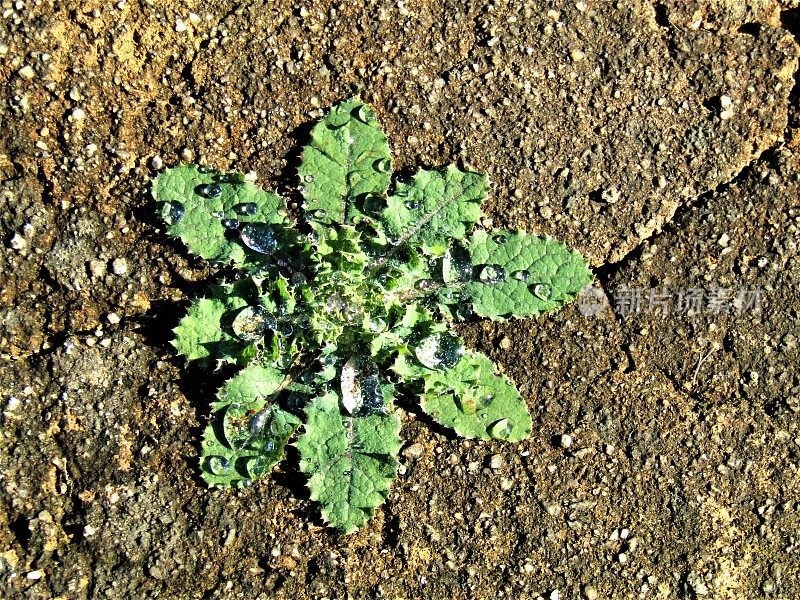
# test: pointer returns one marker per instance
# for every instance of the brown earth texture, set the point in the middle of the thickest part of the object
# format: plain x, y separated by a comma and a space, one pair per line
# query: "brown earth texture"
659, 138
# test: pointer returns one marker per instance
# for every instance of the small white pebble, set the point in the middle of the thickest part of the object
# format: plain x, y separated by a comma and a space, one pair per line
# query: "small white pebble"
89, 531
577, 55
27, 72
34, 575
156, 163
180, 26
18, 242
91, 150
120, 266
622, 558
505, 343
112, 318
496, 461
566, 440
78, 114
555, 595
726, 101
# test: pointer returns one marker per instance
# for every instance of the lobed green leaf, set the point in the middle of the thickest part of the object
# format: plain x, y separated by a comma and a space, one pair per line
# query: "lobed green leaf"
434, 208
248, 432
351, 461
474, 401
196, 217
345, 166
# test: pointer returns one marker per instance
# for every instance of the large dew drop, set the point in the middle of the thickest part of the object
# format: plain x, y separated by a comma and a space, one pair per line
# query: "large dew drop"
360, 387
542, 291
251, 323
172, 212
439, 351
256, 467
456, 264
523, 276
209, 190
501, 430
492, 274
259, 237
247, 209
218, 465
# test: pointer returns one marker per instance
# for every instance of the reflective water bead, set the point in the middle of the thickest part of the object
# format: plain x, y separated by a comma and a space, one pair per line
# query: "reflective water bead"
209, 190
256, 466
521, 275
218, 214
308, 178
251, 323
411, 205
456, 264
203, 169
269, 446
384, 165
285, 328
424, 284
246, 208
218, 465
363, 113
501, 430
439, 351
258, 421
492, 274
172, 212
231, 223
500, 238
259, 237
542, 291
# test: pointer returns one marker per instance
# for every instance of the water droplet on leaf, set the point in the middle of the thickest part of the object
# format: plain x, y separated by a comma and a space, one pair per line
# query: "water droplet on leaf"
251, 323
499, 238
259, 237
492, 274
424, 284
218, 214
256, 466
456, 264
231, 223
521, 275
320, 213
411, 205
542, 291
285, 328
439, 351
501, 430
363, 113
172, 212
384, 165
218, 465
246, 208
209, 190
258, 421
203, 169
308, 178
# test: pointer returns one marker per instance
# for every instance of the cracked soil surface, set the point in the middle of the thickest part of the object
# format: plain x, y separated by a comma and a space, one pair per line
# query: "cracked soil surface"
661, 139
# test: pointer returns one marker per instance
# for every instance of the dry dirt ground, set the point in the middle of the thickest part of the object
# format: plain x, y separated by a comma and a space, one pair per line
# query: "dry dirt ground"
659, 138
